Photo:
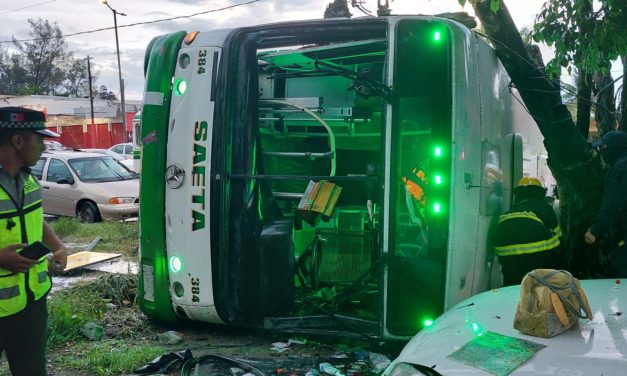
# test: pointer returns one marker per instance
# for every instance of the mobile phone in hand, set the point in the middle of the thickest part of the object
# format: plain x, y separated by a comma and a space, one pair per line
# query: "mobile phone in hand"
35, 251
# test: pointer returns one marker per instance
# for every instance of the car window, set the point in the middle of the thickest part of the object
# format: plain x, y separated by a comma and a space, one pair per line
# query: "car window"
119, 149
38, 169
58, 170
94, 170
114, 155
128, 149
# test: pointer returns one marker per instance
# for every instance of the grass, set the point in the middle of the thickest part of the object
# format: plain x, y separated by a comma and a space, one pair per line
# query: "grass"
69, 312
108, 302
108, 357
117, 237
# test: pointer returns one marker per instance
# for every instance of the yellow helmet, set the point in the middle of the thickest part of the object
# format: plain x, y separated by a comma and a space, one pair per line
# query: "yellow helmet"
528, 181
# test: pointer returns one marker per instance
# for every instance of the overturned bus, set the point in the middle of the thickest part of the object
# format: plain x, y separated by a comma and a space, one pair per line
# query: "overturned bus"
326, 176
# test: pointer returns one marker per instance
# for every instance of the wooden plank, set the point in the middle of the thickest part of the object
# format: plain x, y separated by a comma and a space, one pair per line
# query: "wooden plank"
85, 258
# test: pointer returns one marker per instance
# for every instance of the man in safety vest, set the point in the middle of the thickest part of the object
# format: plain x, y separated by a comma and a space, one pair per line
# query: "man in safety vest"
528, 236
24, 283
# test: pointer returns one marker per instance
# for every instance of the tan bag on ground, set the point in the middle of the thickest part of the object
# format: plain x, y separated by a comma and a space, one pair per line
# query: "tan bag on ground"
551, 301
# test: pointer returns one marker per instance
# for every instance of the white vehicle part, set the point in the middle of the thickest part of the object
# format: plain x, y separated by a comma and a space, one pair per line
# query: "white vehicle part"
187, 205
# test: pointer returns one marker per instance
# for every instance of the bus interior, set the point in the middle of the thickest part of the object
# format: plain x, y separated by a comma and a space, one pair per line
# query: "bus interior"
307, 185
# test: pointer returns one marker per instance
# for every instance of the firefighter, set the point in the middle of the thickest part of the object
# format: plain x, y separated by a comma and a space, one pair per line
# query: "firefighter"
528, 236
24, 283
415, 184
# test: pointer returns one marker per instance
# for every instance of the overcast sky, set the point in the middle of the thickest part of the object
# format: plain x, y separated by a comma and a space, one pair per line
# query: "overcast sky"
75, 16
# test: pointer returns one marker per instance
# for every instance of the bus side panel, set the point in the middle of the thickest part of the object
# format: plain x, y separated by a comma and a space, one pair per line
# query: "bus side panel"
496, 159
464, 233
154, 295
505, 124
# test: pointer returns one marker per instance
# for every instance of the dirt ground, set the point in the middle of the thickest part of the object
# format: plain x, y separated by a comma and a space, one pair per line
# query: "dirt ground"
256, 348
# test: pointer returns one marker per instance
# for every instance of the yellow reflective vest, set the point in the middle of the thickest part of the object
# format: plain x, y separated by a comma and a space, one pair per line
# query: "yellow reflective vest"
22, 222
523, 232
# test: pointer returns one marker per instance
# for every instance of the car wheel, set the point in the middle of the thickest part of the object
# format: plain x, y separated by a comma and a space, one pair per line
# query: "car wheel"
88, 213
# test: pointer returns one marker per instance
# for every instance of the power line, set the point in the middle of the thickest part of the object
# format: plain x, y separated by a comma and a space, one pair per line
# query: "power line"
137, 23
29, 6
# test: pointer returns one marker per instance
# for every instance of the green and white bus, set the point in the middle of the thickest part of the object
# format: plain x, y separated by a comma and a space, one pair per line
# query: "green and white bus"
329, 176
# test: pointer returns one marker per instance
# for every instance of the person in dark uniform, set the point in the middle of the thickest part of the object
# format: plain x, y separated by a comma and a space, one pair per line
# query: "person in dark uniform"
528, 236
24, 283
611, 223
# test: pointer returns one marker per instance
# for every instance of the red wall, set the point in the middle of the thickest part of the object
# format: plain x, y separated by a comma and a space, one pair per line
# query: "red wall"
72, 136
97, 136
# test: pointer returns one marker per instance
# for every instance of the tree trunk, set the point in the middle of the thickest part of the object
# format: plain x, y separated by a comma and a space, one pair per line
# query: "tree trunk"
604, 104
572, 160
584, 103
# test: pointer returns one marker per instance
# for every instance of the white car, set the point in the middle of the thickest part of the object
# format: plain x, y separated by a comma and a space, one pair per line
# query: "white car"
593, 347
54, 145
125, 149
89, 186
123, 160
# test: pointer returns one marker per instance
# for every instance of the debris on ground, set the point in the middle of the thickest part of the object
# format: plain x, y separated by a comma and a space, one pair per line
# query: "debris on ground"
330, 370
280, 347
379, 362
169, 338
112, 299
87, 258
171, 362
353, 364
93, 331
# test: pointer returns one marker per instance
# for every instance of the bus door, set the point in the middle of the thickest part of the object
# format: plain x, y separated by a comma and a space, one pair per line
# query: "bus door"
418, 185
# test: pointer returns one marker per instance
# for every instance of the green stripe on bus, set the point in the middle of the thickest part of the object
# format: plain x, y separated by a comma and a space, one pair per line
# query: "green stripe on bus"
162, 58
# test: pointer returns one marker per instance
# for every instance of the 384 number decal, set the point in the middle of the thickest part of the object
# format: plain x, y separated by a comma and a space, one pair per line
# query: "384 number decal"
195, 282
202, 61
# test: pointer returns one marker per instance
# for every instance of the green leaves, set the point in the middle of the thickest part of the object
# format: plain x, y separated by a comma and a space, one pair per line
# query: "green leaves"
584, 34
42, 65
495, 5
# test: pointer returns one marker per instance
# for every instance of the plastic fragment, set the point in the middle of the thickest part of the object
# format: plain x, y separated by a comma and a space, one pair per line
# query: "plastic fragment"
379, 362
93, 331
280, 347
330, 370
169, 338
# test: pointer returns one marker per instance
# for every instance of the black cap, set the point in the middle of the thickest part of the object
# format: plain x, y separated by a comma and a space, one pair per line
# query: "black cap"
612, 138
18, 118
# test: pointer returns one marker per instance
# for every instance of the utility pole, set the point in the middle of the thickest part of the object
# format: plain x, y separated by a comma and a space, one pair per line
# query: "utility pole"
117, 48
91, 92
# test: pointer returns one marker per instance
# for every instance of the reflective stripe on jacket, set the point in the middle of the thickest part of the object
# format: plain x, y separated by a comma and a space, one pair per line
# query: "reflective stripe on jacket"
416, 184
22, 226
521, 233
